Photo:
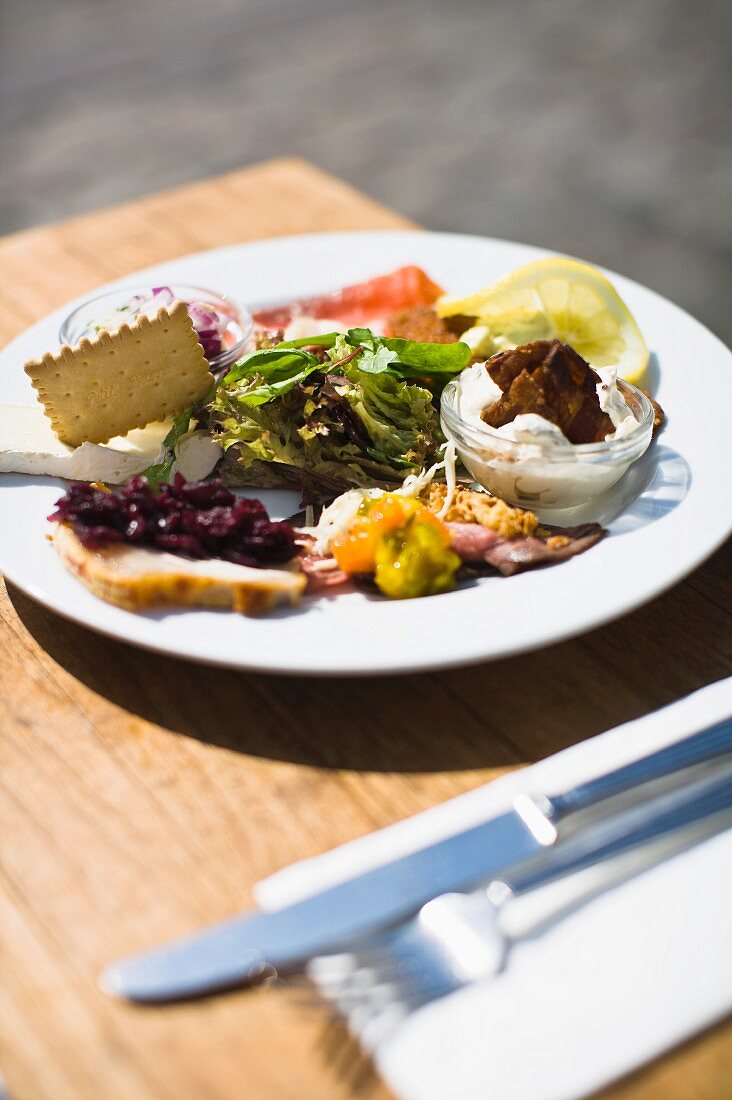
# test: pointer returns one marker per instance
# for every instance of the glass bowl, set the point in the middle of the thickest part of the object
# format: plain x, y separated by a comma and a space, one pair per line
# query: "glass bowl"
550, 481
100, 313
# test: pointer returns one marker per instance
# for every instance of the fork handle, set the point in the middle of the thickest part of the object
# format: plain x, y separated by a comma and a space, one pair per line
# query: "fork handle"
624, 831
706, 745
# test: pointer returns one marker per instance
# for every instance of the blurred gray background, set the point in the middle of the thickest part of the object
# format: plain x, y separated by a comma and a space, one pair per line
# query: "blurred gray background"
595, 127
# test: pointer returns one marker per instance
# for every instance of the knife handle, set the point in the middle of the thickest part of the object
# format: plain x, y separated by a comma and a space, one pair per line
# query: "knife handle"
624, 831
706, 745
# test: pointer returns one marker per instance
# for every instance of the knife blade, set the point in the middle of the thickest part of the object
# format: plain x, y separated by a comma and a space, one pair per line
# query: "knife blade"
236, 951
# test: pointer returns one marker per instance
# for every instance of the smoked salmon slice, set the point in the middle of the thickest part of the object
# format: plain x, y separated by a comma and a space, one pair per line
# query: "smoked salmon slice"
374, 299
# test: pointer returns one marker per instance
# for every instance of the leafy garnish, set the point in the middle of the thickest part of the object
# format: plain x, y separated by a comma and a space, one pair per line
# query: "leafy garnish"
260, 391
362, 337
161, 472
361, 410
407, 358
375, 362
277, 362
325, 341
429, 359
289, 362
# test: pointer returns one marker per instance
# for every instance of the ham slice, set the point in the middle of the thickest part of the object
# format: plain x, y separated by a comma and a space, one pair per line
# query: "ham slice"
472, 541
478, 545
482, 548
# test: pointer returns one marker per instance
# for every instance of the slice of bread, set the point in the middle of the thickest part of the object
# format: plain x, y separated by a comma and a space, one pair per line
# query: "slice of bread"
136, 578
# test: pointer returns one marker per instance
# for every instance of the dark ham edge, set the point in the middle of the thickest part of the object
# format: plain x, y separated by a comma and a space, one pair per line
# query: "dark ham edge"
478, 546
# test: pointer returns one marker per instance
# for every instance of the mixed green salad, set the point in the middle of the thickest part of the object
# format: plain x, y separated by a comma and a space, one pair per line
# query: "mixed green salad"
325, 413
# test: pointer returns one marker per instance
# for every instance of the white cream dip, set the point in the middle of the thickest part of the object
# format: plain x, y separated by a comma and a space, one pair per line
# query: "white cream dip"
529, 461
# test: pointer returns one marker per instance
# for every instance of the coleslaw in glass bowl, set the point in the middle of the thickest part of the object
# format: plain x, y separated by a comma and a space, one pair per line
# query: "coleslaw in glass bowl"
224, 328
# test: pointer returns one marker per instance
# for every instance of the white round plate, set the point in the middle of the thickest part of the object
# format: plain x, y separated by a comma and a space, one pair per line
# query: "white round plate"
669, 513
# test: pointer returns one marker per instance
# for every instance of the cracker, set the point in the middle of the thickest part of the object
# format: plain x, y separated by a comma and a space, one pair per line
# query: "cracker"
122, 380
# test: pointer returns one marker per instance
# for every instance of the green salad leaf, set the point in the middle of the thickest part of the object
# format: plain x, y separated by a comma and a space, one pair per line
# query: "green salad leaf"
360, 411
352, 416
260, 392
270, 363
378, 361
429, 359
409, 357
327, 340
162, 471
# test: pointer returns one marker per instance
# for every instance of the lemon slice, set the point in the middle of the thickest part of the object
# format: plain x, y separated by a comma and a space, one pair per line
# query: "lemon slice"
555, 299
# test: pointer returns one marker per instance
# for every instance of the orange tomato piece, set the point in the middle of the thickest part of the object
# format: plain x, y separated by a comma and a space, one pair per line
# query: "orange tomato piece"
355, 551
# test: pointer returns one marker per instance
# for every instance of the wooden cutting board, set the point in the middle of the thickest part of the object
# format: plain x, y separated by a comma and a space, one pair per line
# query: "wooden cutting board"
141, 797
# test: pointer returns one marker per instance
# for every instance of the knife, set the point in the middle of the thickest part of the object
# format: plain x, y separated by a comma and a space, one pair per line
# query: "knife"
237, 951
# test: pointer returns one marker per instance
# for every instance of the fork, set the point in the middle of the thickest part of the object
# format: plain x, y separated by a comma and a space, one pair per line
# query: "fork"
456, 939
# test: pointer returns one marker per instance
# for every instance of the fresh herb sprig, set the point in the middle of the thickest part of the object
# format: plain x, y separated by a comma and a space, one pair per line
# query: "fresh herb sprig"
408, 358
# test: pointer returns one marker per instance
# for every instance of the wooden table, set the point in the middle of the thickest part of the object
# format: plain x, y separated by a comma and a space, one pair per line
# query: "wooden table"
141, 797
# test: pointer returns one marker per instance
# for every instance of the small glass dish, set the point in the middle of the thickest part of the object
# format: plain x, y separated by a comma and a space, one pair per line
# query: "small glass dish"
233, 327
550, 481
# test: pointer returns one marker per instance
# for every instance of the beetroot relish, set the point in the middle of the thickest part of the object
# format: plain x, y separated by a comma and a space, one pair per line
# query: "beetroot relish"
198, 519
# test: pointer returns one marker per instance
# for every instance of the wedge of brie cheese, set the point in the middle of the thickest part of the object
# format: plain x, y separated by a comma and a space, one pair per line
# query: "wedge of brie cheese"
29, 445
